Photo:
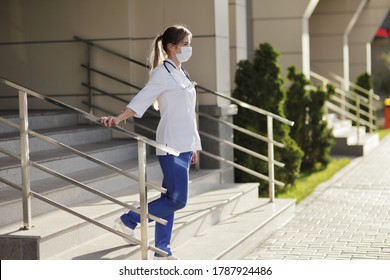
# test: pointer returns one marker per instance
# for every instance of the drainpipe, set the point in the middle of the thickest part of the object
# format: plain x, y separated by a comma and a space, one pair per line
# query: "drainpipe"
306, 38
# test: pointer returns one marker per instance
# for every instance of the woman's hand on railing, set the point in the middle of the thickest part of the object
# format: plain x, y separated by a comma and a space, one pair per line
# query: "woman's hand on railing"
114, 121
109, 121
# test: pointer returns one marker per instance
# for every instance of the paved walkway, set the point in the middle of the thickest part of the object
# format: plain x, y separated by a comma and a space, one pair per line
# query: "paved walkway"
348, 217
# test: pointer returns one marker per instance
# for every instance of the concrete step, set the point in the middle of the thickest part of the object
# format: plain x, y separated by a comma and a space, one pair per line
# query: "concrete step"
66, 162
60, 235
227, 225
70, 135
59, 230
236, 236
206, 210
41, 120
96, 177
341, 126
351, 134
350, 140
356, 148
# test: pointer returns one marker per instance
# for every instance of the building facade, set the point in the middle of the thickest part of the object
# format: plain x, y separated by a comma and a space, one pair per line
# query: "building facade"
38, 47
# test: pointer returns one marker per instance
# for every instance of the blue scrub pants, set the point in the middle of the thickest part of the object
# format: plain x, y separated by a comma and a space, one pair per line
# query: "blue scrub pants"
175, 180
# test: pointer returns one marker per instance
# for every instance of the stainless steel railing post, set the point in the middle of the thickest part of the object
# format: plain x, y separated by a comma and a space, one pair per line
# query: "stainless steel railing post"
271, 167
371, 110
25, 160
89, 79
358, 118
143, 199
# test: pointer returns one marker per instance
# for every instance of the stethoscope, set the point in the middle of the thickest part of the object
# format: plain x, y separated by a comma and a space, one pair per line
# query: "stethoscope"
193, 84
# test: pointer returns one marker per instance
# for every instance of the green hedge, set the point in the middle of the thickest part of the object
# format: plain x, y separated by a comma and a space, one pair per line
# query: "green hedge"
259, 83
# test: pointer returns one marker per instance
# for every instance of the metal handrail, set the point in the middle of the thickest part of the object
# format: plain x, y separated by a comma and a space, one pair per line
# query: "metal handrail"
81, 185
243, 130
232, 99
81, 154
90, 117
249, 106
238, 147
243, 168
235, 127
344, 106
350, 96
70, 211
26, 162
357, 87
349, 115
109, 76
218, 139
371, 97
136, 124
270, 116
89, 43
104, 93
326, 81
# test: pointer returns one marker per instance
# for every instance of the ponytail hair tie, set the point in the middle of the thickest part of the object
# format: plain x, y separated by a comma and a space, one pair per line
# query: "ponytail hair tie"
160, 37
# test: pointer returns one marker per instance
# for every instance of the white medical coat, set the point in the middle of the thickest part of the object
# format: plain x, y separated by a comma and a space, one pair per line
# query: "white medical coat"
176, 97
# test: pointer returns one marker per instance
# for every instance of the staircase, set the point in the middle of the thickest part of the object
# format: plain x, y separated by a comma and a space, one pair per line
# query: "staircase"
221, 220
350, 140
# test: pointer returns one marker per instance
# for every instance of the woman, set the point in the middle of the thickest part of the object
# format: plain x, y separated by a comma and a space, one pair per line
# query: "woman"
170, 88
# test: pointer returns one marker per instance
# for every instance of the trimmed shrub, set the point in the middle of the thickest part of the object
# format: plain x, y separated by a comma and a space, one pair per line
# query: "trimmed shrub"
259, 83
305, 106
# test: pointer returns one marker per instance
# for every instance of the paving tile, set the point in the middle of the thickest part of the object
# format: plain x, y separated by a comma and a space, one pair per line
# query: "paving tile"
347, 217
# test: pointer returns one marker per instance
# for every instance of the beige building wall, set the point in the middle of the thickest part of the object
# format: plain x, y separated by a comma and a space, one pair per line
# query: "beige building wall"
37, 41
327, 26
37, 47
279, 23
339, 34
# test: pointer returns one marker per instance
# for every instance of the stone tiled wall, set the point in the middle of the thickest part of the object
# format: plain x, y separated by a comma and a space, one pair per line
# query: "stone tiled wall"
19, 247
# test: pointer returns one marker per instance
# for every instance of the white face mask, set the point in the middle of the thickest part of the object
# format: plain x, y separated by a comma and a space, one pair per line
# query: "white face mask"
185, 54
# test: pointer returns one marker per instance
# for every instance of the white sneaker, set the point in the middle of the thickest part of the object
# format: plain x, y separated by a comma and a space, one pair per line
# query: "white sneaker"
120, 226
171, 257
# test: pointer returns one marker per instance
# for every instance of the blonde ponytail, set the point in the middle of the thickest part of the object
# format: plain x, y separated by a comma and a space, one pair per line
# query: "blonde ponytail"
156, 54
155, 59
